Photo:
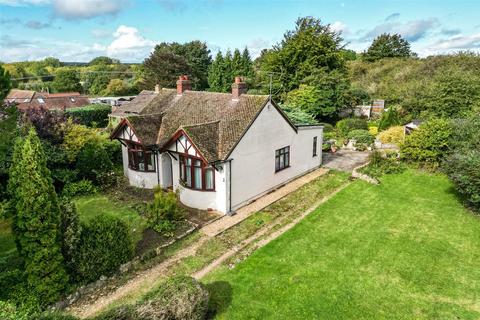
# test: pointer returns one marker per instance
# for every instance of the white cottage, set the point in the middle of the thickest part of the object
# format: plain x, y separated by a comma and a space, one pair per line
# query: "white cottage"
220, 150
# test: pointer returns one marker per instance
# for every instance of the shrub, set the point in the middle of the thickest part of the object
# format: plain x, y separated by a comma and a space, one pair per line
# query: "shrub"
327, 127
428, 144
464, 170
395, 135
373, 130
163, 212
179, 297
79, 188
94, 115
361, 136
76, 137
346, 125
114, 150
9, 311
94, 164
390, 118
105, 243
380, 165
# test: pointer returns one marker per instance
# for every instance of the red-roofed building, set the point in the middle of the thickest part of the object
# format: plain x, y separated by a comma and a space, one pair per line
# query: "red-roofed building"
25, 99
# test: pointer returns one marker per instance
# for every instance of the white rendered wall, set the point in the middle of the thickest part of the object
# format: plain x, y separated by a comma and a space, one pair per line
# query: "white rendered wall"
253, 164
139, 179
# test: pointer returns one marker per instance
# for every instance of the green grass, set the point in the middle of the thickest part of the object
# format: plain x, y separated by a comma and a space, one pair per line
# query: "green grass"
405, 249
91, 206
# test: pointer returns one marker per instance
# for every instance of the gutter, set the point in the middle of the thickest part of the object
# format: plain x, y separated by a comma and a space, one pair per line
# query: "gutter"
230, 212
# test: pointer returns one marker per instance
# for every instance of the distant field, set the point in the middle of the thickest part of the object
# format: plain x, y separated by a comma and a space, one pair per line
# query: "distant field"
405, 249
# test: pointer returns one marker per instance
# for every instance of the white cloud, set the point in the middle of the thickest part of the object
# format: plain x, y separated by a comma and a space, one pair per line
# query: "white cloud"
129, 44
339, 26
412, 30
461, 42
85, 9
256, 46
20, 3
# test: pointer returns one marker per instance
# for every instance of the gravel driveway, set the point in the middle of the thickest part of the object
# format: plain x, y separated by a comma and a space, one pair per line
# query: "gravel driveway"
344, 160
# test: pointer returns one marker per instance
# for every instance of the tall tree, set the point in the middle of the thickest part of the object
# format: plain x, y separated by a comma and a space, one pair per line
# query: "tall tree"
311, 46
170, 60
67, 80
5, 83
37, 219
216, 73
247, 64
388, 46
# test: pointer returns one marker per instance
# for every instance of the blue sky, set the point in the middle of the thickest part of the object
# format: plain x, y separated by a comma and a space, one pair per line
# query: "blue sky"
78, 30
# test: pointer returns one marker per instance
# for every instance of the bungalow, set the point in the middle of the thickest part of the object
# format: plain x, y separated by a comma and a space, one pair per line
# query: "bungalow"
25, 99
220, 150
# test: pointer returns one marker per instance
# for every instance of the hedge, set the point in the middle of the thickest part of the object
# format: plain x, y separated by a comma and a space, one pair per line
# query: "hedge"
346, 125
94, 115
105, 243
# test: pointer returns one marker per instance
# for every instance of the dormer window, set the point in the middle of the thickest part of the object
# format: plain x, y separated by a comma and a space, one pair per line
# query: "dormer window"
140, 158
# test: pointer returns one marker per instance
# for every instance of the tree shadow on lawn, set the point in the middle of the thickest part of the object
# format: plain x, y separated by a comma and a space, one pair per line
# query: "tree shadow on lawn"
220, 297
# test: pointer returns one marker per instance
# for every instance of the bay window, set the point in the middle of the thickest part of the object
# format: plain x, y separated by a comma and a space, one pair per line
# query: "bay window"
140, 158
196, 174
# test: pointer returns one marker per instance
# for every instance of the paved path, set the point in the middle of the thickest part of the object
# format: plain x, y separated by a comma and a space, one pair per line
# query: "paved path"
344, 160
225, 222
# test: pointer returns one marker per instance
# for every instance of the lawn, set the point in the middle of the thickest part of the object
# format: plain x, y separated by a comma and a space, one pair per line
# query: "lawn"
91, 206
405, 249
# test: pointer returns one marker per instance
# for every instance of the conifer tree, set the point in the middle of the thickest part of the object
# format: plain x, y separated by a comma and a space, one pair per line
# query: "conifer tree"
247, 64
37, 219
216, 73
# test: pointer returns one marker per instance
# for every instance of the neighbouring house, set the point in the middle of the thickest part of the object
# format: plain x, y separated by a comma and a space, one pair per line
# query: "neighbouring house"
375, 109
25, 99
219, 150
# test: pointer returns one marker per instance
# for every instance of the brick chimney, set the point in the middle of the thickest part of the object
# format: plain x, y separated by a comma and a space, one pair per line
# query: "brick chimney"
238, 88
183, 84
157, 88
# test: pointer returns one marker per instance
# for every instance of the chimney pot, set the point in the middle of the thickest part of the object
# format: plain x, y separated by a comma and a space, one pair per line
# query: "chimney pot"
238, 88
183, 84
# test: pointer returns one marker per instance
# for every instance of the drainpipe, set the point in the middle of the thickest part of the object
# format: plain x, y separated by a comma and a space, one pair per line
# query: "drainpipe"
229, 180
157, 160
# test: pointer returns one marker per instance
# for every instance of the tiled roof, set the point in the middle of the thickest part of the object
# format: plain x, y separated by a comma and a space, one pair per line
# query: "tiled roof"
136, 105
146, 127
214, 121
30, 99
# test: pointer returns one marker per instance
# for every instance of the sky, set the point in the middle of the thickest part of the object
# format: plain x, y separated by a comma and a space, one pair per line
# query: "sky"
79, 30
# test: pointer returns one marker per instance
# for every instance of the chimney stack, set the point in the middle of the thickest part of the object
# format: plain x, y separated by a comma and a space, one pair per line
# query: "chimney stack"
238, 88
183, 84
157, 88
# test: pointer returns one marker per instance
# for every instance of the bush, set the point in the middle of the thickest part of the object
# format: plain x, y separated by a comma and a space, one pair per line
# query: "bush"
163, 213
178, 298
428, 144
94, 115
380, 165
94, 164
327, 127
9, 311
105, 243
373, 130
70, 231
395, 135
79, 188
361, 136
346, 125
76, 137
464, 170
390, 118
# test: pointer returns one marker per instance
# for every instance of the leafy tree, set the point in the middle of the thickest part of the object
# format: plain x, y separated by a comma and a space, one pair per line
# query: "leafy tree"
94, 164
388, 46
8, 133
52, 62
70, 230
5, 83
170, 60
298, 116
116, 87
48, 124
97, 79
67, 80
37, 219
102, 60
310, 47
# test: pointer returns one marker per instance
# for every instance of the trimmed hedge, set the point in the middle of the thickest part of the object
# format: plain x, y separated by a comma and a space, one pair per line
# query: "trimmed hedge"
180, 297
346, 125
94, 115
105, 243
361, 136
